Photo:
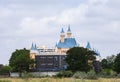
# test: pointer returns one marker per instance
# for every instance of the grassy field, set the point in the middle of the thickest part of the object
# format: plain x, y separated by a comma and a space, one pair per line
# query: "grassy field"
56, 80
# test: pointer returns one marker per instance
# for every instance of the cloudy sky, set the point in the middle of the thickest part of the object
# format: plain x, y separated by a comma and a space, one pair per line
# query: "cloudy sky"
40, 21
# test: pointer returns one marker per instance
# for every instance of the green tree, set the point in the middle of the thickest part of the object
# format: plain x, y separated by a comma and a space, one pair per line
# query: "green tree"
108, 62
104, 63
5, 70
117, 63
78, 57
20, 60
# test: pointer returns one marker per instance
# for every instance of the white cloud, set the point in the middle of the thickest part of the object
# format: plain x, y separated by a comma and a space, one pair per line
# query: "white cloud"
34, 26
97, 2
70, 16
73, 15
95, 18
5, 12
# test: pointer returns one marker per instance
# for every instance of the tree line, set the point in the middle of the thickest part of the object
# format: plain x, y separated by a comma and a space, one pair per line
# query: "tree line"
78, 59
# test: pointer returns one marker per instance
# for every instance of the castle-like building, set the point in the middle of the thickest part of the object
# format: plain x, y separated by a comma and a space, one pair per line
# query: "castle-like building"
53, 59
66, 43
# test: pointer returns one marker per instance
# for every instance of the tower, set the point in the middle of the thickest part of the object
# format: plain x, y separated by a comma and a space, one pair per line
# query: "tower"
88, 45
62, 36
69, 34
33, 51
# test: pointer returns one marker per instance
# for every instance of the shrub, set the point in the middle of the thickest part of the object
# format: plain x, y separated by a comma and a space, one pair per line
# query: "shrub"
64, 74
80, 75
5, 70
118, 75
91, 75
107, 73
26, 75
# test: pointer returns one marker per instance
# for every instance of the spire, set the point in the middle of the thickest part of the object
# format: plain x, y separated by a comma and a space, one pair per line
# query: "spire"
62, 35
32, 47
69, 30
62, 31
88, 45
35, 47
69, 34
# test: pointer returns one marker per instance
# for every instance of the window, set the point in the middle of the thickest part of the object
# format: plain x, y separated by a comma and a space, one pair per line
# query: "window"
50, 57
43, 64
56, 58
50, 63
42, 57
63, 58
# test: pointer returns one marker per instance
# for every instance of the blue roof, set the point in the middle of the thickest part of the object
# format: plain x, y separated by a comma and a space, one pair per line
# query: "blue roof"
96, 51
62, 31
88, 45
68, 43
69, 30
33, 47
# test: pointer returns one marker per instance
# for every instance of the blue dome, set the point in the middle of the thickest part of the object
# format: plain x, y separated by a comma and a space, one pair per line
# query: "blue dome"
68, 43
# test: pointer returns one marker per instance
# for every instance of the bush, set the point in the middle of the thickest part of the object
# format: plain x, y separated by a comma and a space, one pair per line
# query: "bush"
5, 70
26, 75
118, 75
80, 75
64, 74
91, 75
107, 73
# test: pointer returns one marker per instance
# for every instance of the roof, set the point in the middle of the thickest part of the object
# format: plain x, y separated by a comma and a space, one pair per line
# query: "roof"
96, 51
69, 30
62, 31
88, 45
33, 47
68, 43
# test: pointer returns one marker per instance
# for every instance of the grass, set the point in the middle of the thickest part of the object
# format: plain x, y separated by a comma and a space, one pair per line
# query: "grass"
57, 80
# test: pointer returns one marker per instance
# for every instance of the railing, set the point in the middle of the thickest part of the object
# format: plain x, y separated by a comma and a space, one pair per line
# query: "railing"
50, 53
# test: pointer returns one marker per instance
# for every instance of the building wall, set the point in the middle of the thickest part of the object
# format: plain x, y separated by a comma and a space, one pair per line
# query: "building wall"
50, 62
32, 55
62, 50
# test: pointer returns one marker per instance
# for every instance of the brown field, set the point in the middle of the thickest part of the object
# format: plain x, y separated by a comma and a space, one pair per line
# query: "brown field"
56, 80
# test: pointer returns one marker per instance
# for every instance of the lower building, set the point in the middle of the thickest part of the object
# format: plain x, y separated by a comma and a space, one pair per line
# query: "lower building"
50, 62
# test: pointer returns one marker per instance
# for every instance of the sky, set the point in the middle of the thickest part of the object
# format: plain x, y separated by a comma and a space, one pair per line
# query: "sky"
23, 22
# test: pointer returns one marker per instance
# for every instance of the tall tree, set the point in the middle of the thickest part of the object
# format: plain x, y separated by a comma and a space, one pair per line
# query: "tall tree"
105, 64
117, 63
78, 59
108, 62
20, 60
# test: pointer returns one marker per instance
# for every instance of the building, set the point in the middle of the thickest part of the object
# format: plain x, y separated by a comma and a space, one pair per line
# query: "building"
54, 59
66, 43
